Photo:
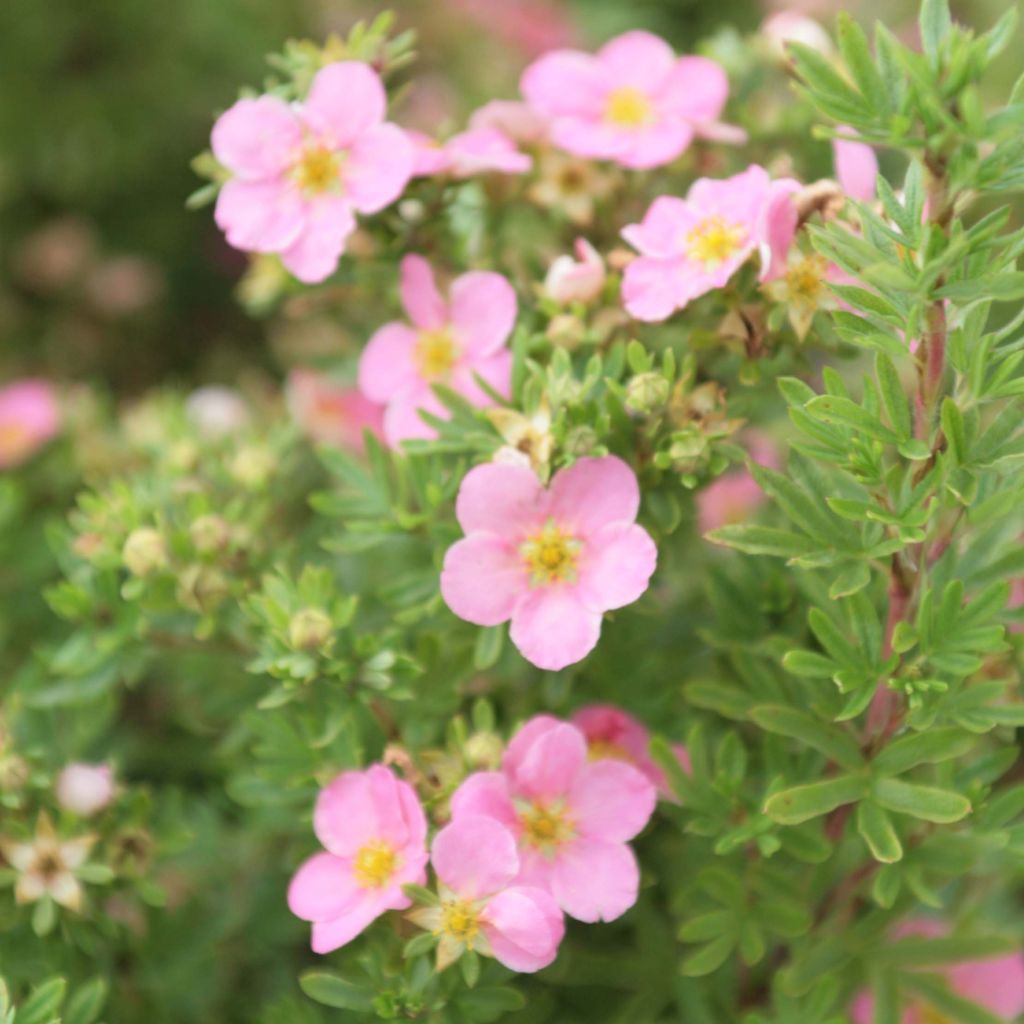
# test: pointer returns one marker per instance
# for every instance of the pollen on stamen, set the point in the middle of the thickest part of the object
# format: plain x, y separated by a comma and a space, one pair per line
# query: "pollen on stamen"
628, 107
551, 555
374, 865
435, 354
714, 240
317, 170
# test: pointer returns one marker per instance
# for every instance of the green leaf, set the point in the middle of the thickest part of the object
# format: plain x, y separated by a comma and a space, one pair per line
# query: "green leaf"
489, 643
707, 926
894, 398
845, 412
761, 540
929, 747
935, 24
953, 428
877, 830
852, 579
853, 45
915, 951
42, 1005
801, 803
996, 287
334, 990
826, 738
87, 1002
490, 1004
935, 991
709, 957
925, 802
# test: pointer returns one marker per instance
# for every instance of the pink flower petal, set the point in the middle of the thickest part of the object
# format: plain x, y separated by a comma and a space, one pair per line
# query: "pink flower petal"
331, 935
402, 419
996, 984
611, 801
552, 628
695, 88
420, 296
496, 370
638, 59
777, 227
379, 166
259, 216
564, 82
483, 311
595, 881
255, 138
593, 492
549, 766
525, 737
475, 856
386, 368
856, 167
617, 567
315, 253
485, 793
482, 579
663, 230
345, 100
655, 147
653, 289
524, 927
501, 499
323, 888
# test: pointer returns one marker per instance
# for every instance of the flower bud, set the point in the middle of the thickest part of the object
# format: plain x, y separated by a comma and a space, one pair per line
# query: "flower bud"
310, 629
201, 588
252, 467
580, 441
565, 331
84, 788
144, 551
647, 393
209, 533
484, 750
576, 280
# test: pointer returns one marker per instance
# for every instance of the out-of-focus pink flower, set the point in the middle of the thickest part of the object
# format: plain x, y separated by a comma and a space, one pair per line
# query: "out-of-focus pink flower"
733, 497
84, 789
519, 121
530, 26
474, 151
124, 285
375, 834
633, 101
996, 984
447, 343
217, 411
572, 817
551, 560
856, 167
332, 413
301, 172
29, 417
476, 862
576, 280
785, 27
693, 245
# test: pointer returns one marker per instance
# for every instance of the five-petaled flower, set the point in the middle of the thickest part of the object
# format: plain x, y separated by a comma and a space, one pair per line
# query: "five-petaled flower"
552, 560
300, 172
330, 412
572, 817
29, 417
634, 101
481, 909
374, 831
448, 343
46, 865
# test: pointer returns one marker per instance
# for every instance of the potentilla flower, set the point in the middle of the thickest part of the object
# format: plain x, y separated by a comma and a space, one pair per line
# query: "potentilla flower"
374, 831
528, 439
690, 246
46, 865
85, 789
332, 413
448, 342
481, 909
29, 417
571, 186
633, 101
467, 154
856, 166
996, 984
552, 560
576, 280
301, 172
804, 288
516, 120
571, 817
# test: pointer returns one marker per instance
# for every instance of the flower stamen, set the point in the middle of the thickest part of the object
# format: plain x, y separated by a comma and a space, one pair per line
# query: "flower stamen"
374, 864
435, 354
714, 240
628, 107
551, 555
317, 170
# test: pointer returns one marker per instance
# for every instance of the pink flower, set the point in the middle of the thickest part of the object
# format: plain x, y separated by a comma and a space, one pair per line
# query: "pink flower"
856, 167
29, 417
301, 172
332, 413
477, 862
531, 26
85, 789
447, 343
375, 833
553, 561
474, 151
633, 102
576, 280
572, 818
693, 245
997, 984
519, 121
734, 496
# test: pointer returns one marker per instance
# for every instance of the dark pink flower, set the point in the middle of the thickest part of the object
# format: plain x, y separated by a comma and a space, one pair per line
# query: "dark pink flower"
29, 417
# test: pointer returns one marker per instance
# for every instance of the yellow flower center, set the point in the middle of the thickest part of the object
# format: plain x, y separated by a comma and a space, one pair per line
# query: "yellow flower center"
628, 107
551, 555
374, 864
435, 354
546, 826
714, 240
459, 921
318, 169
605, 750
805, 279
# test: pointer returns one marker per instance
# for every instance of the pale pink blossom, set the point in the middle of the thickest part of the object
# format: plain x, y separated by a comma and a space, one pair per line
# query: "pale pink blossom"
467, 154
47, 865
514, 119
85, 789
572, 817
786, 27
374, 831
301, 172
29, 418
217, 411
482, 909
734, 496
448, 342
576, 280
634, 101
530, 26
690, 246
996, 984
332, 413
856, 166
553, 560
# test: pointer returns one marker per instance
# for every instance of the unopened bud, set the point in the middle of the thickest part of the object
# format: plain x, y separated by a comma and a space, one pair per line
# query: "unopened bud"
647, 393
566, 331
144, 551
201, 588
209, 533
310, 629
581, 440
252, 467
85, 789
484, 750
